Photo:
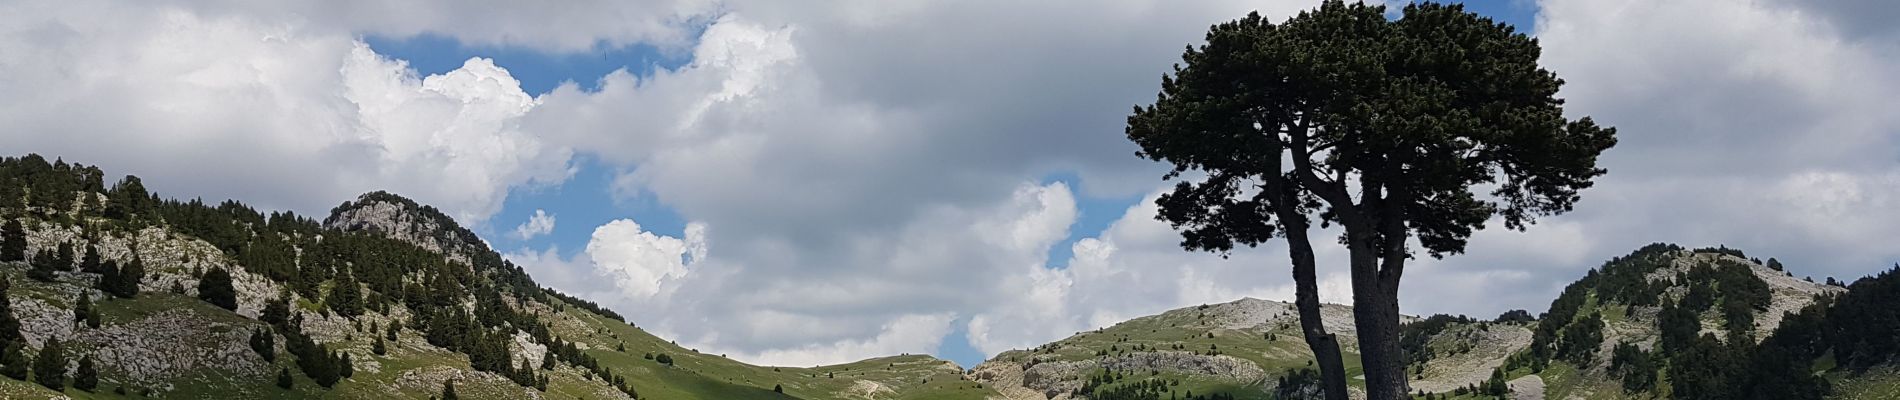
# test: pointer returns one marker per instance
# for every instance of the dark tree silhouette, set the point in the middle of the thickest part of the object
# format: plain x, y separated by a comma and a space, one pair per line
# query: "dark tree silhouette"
87, 376
49, 368
9, 325
1387, 124
215, 288
448, 390
13, 241
13, 362
82, 311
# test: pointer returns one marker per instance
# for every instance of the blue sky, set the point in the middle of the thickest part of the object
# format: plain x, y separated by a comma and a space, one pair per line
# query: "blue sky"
586, 200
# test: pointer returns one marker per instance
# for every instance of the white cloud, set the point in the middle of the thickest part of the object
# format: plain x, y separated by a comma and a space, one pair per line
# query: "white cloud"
1760, 125
640, 262
538, 224
903, 334
865, 163
281, 115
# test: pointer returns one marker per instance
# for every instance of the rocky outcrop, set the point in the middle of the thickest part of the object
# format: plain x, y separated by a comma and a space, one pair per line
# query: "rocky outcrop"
402, 219
156, 349
1480, 349
1219, 366
173, 345
1056, 379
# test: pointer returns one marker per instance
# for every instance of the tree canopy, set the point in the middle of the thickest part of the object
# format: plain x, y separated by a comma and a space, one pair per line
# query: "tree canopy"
1423, 127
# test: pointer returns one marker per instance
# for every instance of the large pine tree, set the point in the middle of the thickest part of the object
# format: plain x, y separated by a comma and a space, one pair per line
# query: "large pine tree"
1383, 126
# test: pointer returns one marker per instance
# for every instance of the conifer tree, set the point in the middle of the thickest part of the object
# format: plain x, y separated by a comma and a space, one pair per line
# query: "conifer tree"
43, 265
1381, 125
63, 258
378, 348
215, 288
49, 368
344, 367
346, 297
127, 283
264, 343
283, 378
276, 312
448, 390
82, 311
90, 262
9, 326
13, 362
87, 376
108, 277
13, 241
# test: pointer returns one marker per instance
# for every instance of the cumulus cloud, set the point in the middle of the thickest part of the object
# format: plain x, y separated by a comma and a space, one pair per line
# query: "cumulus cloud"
866, 163
640, 262
538, 224
1760, 125
282, 115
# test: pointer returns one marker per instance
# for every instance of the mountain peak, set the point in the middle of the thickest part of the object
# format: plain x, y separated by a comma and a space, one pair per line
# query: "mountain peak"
400, 218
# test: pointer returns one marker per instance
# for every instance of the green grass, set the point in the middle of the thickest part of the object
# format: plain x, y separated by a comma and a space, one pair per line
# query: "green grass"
710, 376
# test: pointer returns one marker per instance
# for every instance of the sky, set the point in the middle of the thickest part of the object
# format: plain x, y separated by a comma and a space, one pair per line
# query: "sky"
796, 185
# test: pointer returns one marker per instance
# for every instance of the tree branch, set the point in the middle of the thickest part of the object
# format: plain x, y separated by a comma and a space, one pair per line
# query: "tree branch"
1333, 192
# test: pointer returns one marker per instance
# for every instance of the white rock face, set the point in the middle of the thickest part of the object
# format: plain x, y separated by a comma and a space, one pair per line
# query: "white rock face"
172, 345
526, 349
1528, 387
865, 389
400, 222
39, 320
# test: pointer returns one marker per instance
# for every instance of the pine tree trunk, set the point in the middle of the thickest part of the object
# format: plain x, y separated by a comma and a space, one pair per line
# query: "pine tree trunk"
1325, 345
1376, 315
1384, 363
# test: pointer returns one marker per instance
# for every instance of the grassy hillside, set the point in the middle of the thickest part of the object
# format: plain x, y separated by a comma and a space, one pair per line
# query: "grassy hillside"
1246, 349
